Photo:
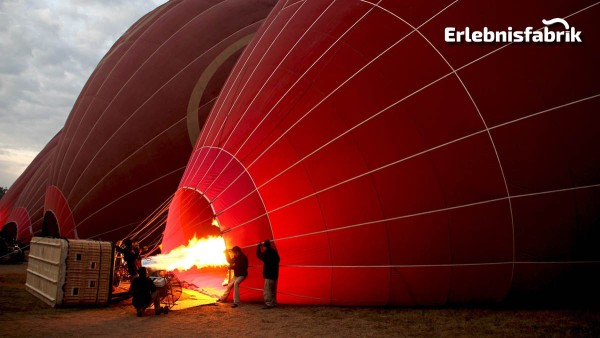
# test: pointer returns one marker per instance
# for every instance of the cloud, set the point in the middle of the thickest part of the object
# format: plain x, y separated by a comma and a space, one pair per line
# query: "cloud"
13, 160
49, 49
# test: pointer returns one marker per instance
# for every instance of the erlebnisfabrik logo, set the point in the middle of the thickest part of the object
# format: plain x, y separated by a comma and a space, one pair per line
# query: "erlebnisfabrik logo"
544, 35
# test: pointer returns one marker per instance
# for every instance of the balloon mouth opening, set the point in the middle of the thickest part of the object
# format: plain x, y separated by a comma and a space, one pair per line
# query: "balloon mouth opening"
193, 247
10, 228
200, 264
50, 226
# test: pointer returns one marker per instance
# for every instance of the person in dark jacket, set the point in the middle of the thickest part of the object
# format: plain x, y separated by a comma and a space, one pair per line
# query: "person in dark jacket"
239, 264
266, 253
145, 293
130, 255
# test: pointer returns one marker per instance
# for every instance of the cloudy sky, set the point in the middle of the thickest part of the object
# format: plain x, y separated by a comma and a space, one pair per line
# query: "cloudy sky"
48, 50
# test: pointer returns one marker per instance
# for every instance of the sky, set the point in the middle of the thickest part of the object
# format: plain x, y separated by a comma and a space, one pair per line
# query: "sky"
48, 50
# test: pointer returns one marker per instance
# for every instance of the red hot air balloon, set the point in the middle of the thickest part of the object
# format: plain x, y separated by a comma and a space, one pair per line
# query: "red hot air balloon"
392, 167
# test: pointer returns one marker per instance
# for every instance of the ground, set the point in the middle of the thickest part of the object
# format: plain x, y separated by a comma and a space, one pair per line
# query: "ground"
23, 315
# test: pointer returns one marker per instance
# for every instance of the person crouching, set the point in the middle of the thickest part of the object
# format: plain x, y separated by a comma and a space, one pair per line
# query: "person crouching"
145, 293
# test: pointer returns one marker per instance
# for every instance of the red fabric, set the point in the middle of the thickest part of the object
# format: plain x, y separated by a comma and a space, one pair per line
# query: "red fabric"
364, 152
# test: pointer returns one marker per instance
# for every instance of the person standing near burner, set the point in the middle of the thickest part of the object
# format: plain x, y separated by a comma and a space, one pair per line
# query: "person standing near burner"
266, 253
239, 264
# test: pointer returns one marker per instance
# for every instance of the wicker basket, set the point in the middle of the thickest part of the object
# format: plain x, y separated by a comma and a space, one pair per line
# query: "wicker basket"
65, 272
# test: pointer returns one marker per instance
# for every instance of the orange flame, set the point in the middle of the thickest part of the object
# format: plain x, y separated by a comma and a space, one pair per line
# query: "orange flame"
203, 252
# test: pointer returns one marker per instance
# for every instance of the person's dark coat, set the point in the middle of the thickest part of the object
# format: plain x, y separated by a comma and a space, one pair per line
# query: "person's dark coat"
271, 259
239, 264
142, 289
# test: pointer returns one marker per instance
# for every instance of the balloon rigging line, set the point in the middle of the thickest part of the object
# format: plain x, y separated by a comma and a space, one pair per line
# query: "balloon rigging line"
149, 231
437, 211
286, 6
151, 217
448, 265
153, 229
545, 111
113, 230
154, 245
218, 112
128, 193
40, 209
155, 52
158, 217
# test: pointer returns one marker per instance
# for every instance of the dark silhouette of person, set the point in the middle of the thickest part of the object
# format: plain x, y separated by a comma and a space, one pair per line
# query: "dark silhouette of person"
239, 264
10, 252
130, 255
145, 293
266, 253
